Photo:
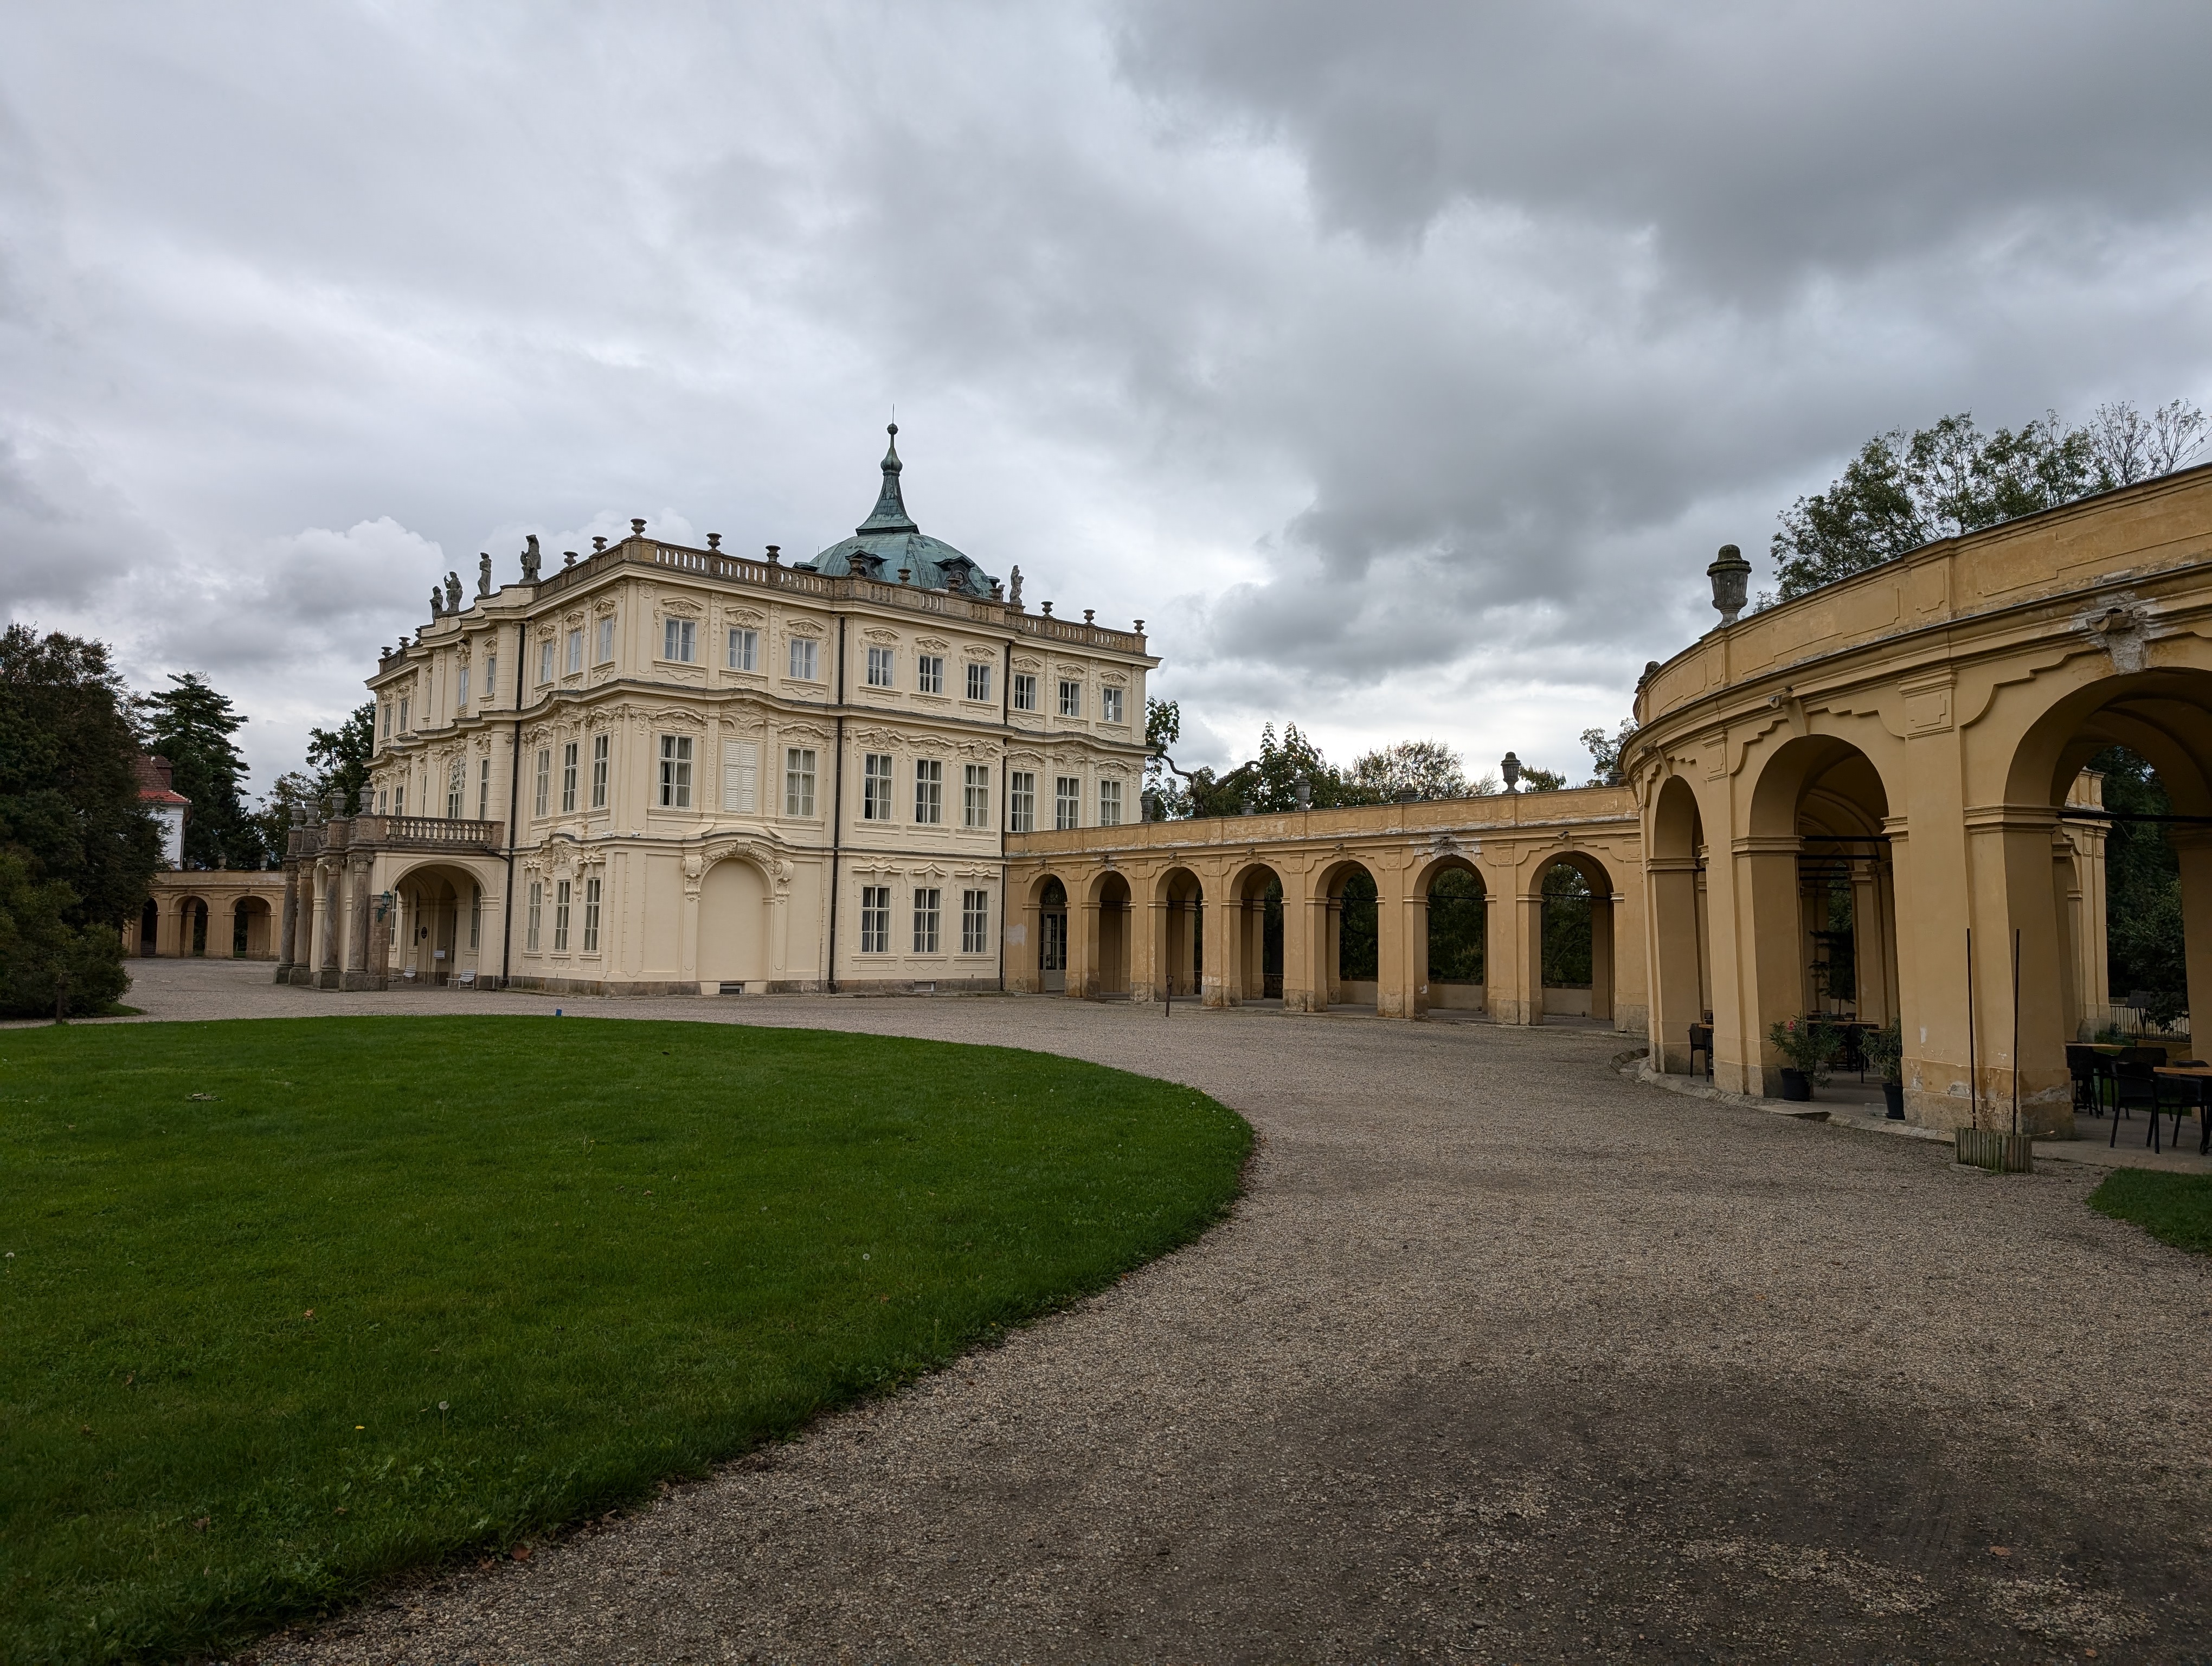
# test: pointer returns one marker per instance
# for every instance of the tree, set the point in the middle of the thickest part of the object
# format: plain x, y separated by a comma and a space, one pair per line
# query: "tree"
1415, 769
1903, 491
339, 759
191, 725
1607, 752
78, 848
2142, 891
1534, 780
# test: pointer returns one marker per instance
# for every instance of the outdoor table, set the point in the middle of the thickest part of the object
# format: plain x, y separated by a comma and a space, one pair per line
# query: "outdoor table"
2202, 1075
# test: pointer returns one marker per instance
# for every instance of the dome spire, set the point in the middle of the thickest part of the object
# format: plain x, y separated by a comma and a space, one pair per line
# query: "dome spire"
889, 515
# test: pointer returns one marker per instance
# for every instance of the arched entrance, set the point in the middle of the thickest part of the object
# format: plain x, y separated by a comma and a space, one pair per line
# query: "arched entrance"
1349, 952
1254, 969
1178, 945
1680, 931
1111, 925
1575, 939
191, 927
435, 925
252, 930
734, 902
1052, 936
1822, 893
1456, 946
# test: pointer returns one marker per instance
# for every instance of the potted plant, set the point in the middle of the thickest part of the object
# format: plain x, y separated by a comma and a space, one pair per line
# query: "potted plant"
1885, 1048
1811, 1046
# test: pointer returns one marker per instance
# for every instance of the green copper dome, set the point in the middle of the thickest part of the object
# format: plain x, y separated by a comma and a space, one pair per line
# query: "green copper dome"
887, 540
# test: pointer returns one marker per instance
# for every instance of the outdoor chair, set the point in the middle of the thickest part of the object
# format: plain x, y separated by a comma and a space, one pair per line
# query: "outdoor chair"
2149, 1055
2081, 1065
2178, 1096
1853, 1056
2134, 1082
1701, 1041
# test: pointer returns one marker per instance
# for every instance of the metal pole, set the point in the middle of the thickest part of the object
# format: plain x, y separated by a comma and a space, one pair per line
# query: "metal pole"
1973, 1077
2015, 1030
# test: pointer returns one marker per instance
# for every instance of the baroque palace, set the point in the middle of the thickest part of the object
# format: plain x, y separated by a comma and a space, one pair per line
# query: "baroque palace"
665, 769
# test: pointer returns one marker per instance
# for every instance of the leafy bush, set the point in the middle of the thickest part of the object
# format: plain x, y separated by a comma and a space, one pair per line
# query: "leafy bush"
1811, 1045
43, 954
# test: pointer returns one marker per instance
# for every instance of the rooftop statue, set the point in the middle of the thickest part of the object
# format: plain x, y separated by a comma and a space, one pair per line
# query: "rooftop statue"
483, 572
531, 557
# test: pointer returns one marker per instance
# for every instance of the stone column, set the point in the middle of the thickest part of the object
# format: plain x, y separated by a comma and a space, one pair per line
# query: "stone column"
290, 922
1605, 918
1151, 964
1222, 918
2009, 857
1771, 950
327, 975
1083, 945
1305, 918
1401, 946
1677, 941
356, 944
2193, 846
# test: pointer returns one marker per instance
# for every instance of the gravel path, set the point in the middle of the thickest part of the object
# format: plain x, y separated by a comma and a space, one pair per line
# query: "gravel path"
1503, 1359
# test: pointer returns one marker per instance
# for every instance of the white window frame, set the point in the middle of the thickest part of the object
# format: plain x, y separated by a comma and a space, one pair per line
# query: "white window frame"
399, 800
798, 781
457, 786
675, 772
882, 666
576, 651
491, 678
387, 719
1025, 691
569, 749
875, 919
601, 747
544, 662
679, 640
928, 792
876, 778
1110, 804
1110, 704
1067, 802
475, 916
404, 724
483, 789
745, 648
591, 915
542, 799
979, 681
803, 662
1021, 801
927, 909
1071, 697
975, 922
975, 795
560, 917
606, 642
929, 673
530, 917
461, 691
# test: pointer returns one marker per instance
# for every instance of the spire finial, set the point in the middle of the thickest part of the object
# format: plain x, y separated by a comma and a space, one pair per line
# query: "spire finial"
889, 515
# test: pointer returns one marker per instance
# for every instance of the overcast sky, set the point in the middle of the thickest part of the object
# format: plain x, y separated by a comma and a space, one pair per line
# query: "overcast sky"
1402, 365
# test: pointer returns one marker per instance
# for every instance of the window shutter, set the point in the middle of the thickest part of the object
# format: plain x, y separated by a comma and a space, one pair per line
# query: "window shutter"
741, 777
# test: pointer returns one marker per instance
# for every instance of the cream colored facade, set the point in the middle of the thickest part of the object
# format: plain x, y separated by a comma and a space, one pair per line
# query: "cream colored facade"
1906, 748
718, 771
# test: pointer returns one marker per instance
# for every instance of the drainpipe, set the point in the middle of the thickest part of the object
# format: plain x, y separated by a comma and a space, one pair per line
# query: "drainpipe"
514, 804
1005, 722
837, 808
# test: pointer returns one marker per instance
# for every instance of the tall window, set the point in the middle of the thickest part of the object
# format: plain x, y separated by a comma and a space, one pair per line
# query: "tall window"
804, 660
798, 781
592, 915
383, 800
928, 791
545, 660
531, 919
1021, 801
675, 772
975, 795
1110, 804
404, 724
475, 916
461, 693
1071, 698
399, 800
560, 917
483, 789
979, 681
575, 651
925, 919
875, 919
744, 650
599, 745
876, 788
881, 666
975, 922
456, 777
607, 638
1067, 801
1109, 705
491, 677
387, 720
679, 640
569, 778
929, 673
1024, 691
541, 799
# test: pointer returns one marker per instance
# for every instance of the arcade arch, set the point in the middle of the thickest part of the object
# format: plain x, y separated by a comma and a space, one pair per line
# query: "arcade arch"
1178, 934
1253, 969
433, 924
1349, 944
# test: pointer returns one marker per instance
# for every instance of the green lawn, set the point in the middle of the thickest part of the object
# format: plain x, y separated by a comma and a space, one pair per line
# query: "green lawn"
400, 1288
2174, 1208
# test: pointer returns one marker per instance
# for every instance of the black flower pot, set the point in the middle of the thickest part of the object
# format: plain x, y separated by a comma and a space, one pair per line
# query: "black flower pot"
1795, 1085
1892, 1096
